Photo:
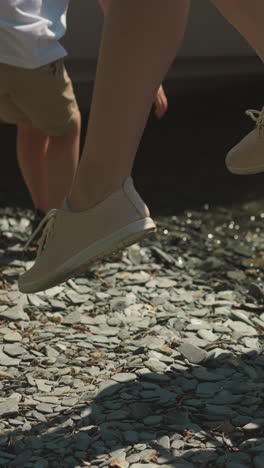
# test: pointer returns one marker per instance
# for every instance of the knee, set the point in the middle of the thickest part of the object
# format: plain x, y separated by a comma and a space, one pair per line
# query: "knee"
72, 130
75, 123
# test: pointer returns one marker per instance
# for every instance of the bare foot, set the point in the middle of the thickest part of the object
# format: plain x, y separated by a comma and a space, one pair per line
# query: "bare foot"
161, 103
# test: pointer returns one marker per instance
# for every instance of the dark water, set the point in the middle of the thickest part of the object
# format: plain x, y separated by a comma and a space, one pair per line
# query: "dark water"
180, 162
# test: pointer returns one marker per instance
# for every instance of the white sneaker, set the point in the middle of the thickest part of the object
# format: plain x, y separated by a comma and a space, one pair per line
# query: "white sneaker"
247, 157
71, 241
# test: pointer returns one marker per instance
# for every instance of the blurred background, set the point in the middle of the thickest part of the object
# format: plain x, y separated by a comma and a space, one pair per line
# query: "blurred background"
180, 162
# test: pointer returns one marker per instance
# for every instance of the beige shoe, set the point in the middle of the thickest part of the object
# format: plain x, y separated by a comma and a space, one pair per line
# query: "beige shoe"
71, 241
247, 157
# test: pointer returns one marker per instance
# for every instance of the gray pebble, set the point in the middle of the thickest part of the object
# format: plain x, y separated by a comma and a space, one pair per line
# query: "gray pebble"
8, 407
6, 360
124, 377
14, 350
72, 318
164, 442
155, 366
45, 408
152, 420
15, 314
12, 337
207, 335
192, 353
252, 426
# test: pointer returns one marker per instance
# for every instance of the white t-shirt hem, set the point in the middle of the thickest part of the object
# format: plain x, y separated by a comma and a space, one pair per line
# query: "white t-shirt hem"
44, 60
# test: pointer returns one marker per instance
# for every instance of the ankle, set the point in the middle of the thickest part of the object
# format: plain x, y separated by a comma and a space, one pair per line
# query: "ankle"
83, 198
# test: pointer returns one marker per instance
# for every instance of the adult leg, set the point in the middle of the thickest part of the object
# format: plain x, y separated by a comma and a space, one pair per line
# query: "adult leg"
247, 157
247, 17
140, 40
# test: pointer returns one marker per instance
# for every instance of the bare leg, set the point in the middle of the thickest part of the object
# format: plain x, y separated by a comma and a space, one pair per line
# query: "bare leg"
62, 159
247, 17
140, 40
161, 103
32, 146
48, 163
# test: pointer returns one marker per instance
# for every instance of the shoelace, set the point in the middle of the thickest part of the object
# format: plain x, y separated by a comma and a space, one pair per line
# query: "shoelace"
49, 222
258, 117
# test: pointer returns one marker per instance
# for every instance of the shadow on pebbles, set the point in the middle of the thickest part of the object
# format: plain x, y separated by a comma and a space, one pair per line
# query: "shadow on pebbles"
153, 358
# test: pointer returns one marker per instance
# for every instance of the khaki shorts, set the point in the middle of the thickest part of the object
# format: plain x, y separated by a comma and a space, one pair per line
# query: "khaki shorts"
43, 96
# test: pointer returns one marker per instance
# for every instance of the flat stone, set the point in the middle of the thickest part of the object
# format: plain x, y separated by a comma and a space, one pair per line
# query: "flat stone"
152, 420
166, 283
242, 328
207, 388
72, 318
14, 314
220, 328
202, 374
241, 316
46, 399
164, 442
124, 377
197, 324
236, 275
45, 408
42, 385
155, 366
14, 350
69, 401
51, 352
55, 291
6, 360
12, 337
252, 426
194, 354
9, 407
152, 376
104, 330
218, 354
207, 335
152, 342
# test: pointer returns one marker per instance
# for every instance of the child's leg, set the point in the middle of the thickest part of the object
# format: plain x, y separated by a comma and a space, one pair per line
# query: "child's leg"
32, 146
61, 162
48, 150
247, 17
140, 40
48, 163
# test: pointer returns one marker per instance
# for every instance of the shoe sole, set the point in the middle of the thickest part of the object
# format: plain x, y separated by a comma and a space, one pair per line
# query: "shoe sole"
109, 245
246, 171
